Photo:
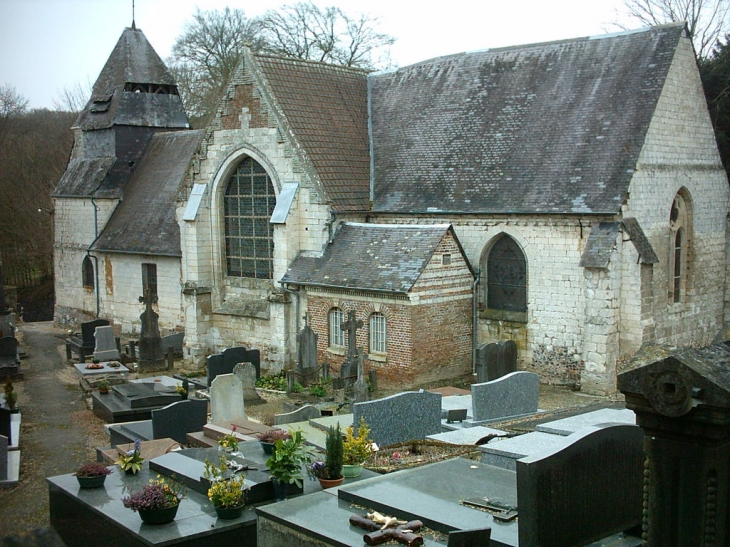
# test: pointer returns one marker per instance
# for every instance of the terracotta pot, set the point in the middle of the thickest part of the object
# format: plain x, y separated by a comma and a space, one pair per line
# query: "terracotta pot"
330, 483
159, 516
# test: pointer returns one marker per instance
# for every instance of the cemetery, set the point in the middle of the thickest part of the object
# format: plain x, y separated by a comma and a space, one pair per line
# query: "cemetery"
483, 466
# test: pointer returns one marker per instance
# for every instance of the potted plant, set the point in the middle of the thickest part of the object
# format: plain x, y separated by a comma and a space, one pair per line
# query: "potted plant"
157, 502
11, 398
357, 449
329, 472
183, 389
229, 441
268, 439
131, 462
92, 474
103, 386
285, 463
227, 492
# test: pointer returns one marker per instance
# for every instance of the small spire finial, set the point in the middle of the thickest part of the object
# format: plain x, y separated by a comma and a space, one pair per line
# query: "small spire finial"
134, 27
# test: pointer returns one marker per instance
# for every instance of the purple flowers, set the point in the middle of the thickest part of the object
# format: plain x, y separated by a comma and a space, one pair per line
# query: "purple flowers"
156, 495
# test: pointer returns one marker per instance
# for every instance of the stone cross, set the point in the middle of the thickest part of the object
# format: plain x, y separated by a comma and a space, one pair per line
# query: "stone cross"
402, 532
150, 341
361, 386
351, 326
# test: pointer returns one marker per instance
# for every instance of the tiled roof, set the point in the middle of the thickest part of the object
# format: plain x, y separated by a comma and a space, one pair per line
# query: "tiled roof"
370, 257
83, 177
133, 60
325, 107
144, 221
544, 128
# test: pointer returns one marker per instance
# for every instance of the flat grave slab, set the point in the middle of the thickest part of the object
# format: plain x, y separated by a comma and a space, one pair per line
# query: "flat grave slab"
148, 450
141, 395
107, 522
127, 432
433, 494
321, 517
567, 426
324, 423
166, 381
83, 372
505, 452
469, 435
15, 420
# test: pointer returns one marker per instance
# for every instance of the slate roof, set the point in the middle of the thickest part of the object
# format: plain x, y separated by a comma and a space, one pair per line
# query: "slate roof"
144, 221
325, 107
371, 257
543, 128
83, 176
133, 60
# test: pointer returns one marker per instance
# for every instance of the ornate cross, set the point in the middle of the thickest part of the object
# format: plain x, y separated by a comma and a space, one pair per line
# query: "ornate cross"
351, 326
384, 529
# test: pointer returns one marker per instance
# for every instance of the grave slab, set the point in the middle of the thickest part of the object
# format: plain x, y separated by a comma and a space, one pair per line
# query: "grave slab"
453, 402
302, 414
115, 407
568, 426
83, 371
107, 522
505, 452
468, 435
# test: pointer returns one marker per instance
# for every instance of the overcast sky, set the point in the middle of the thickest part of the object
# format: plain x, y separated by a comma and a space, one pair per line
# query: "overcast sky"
49, 45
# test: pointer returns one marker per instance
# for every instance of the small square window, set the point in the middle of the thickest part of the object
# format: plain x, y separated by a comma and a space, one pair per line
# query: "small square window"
446, 259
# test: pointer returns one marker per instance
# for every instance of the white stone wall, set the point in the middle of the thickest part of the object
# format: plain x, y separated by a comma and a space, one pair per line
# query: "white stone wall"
680, 152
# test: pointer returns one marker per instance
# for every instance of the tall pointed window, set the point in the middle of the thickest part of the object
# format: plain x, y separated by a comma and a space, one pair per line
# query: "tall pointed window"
680, 226
506, 276
248, 204
87, 273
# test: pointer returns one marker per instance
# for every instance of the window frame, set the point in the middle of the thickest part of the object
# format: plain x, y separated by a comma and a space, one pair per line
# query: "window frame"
149, 279
88, 279
680, 226
377, 334
335, 318
491, 310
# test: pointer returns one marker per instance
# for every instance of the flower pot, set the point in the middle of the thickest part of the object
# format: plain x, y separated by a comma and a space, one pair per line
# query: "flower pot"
229, 512
103, 391
330, 483
268, 447
159, 516
91, 482
130, 471
350, 471
281, 489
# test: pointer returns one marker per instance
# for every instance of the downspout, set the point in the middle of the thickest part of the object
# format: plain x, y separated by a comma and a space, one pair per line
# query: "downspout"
475, 321
296, 324
96, 259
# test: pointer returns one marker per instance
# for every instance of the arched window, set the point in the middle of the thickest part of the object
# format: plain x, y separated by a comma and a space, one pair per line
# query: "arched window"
87, 273
506, 276
679, 225
336, 334
248, 204
377, 333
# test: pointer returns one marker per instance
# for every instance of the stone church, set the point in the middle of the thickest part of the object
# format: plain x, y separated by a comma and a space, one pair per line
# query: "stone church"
567, 195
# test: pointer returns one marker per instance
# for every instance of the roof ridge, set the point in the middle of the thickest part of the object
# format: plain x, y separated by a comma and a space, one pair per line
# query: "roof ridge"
343, 68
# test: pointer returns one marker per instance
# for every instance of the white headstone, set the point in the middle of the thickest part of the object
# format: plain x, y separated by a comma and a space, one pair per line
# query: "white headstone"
226, 400
106, 347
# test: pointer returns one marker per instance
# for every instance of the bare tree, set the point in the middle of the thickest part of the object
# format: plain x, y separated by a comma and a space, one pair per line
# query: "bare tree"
73, 98
707, 20
305, 31
207, 52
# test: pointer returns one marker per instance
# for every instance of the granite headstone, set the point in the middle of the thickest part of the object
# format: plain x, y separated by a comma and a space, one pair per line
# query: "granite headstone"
515, 394
178, 419
400, 418
106, 347
307, 366
5, 425
247, 373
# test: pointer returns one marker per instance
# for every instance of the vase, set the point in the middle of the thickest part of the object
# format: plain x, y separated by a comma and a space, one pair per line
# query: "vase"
159, 516
350, 471
91, 482
268, 447
330, 483
229, 512
281, 489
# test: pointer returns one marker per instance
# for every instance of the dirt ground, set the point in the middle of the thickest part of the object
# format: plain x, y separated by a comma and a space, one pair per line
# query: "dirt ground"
59, 432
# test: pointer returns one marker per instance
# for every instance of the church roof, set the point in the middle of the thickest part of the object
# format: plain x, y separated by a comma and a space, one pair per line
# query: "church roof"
371, 257
144, 222
325, 109
113, 98
543, 128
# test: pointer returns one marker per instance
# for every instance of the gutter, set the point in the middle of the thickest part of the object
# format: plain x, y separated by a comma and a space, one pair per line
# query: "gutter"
475, 321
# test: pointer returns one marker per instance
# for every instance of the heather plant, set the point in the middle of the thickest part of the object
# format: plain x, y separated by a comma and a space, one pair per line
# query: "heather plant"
158, 494
92, 469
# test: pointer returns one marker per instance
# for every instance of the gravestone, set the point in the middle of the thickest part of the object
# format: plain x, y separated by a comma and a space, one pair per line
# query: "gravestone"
224, 362
247, 373
105, 348
582, 491
150, 341
495, 360
3, 458
400, 418
9, 353
174, 341
682, 403
5, 425
178, 419
307, 366
302, 414
226, 400
513, 395
360, 391
348, 370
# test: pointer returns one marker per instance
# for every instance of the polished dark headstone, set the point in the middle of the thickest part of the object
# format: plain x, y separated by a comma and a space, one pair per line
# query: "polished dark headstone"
225, 362
495, 360
84, 345
5, 427
9, 352
178, 419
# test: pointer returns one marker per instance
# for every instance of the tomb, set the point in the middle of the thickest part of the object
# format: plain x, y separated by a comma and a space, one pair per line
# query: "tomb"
136, 400
173, 421
84, 343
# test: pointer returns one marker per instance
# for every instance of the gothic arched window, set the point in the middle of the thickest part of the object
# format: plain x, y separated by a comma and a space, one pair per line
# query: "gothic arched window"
680, 226
506, 276
87, 273
248, 203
